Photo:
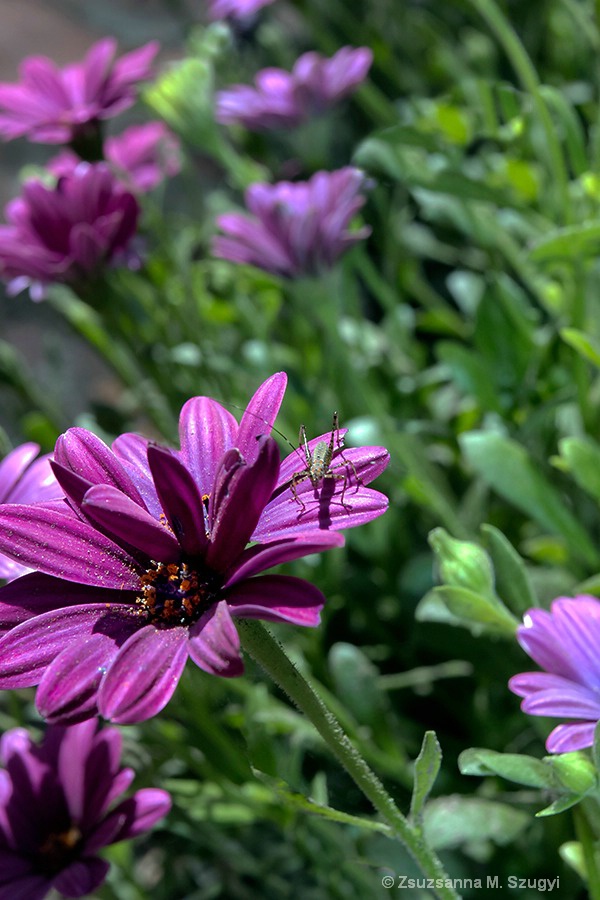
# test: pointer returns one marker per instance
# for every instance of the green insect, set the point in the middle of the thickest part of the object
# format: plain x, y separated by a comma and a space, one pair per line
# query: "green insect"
318, 464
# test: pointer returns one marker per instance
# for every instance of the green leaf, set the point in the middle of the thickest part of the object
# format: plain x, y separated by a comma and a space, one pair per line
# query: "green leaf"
559, 805
473, 609
512, 766
456, 821
586, 346
427, 766
582, 456
512, 580
298, 802
425, 482
470, 373
573, 241
356, 682
507, 467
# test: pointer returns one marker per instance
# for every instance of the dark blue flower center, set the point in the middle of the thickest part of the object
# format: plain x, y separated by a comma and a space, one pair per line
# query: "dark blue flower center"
176, 594
59, 850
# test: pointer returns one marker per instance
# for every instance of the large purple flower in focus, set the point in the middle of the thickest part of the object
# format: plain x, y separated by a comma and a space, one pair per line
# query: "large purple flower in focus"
66, 233
25, 478
296, 228
285, 99
149, 562
60, 106
57, 809
564, 642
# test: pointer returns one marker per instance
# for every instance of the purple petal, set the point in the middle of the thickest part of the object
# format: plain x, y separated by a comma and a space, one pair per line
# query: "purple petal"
68, 690
144, 675
206, 432
28, 649
36, 484
14, 465
241, 492
277, 598
133, 816
27, 887
89, 457
81, 877
180, 499
126, 521
323, 509
35, 593
132, 450
575, 736
58, 544
214, 643
260, 415
264, 556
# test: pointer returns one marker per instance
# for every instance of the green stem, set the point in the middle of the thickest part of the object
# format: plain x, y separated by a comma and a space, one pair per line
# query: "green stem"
89, 324
581, 368
527, 75
269, 654
588, 842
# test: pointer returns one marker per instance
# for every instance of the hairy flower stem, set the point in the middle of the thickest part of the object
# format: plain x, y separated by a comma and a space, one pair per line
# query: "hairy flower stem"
268, 653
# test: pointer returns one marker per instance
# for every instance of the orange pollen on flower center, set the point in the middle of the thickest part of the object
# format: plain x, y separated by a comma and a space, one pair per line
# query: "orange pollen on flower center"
58, 850
174, 594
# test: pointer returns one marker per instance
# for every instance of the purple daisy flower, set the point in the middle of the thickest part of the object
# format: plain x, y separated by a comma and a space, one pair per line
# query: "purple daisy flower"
57, 809
285, 99
148, 562
235, 9
565, 643
144, 155
25, 479
68, 232
297, 228
59, 106
141, 156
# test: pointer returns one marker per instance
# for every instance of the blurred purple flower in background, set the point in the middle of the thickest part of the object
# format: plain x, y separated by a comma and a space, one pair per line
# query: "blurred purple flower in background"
148, 562
66, 233
25, 479
296, 228
57, 106
565, 643
285, 99
57, 809
234, 9
144, 155
141, 156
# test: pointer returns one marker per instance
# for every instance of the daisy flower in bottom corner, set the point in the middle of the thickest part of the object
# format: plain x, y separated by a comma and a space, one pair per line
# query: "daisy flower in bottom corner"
57, 809
564, 643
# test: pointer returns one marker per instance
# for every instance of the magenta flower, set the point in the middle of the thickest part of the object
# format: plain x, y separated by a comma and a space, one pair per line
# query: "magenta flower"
141, 156
66, 233
234, 9
59, 106
295, 228
25, 479
144, 155
285, 99
57, 809
565, 643
149, 562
